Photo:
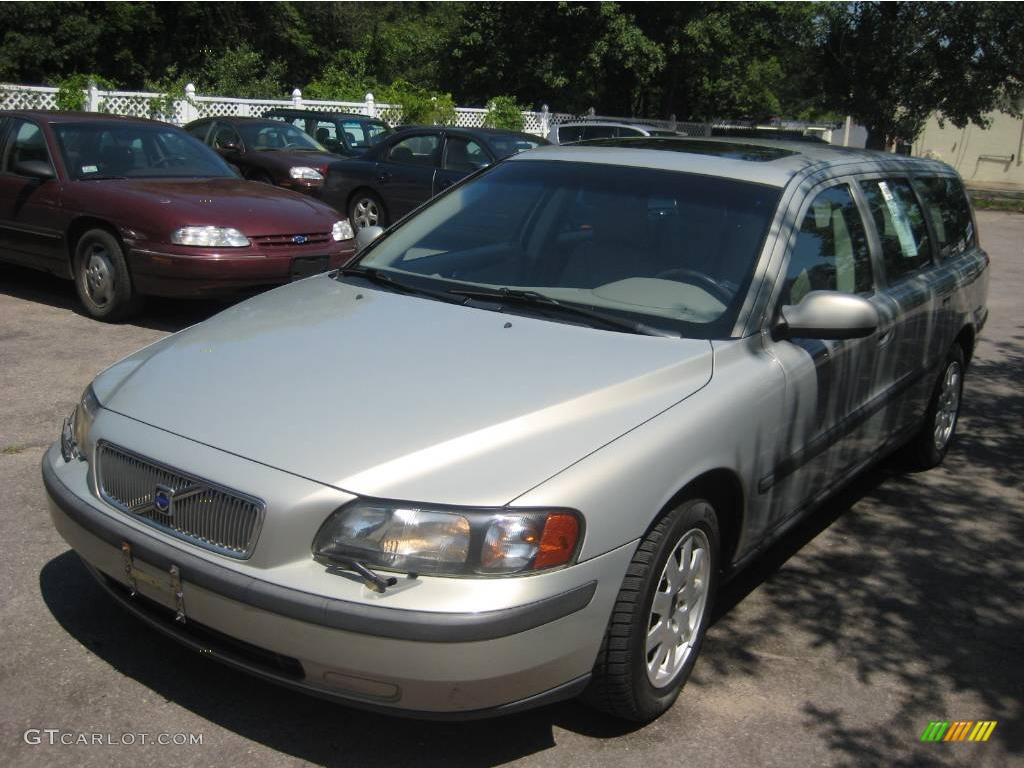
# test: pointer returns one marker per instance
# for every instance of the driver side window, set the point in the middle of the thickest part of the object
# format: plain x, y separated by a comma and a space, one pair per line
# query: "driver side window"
26, 142
831, 251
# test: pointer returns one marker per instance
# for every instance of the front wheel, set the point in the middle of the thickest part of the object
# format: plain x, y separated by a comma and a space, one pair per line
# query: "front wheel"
367, 210
101, 276
660, 616
929, 446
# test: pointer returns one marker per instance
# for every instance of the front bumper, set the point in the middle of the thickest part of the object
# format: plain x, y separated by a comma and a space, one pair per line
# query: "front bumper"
461, 664
196, 272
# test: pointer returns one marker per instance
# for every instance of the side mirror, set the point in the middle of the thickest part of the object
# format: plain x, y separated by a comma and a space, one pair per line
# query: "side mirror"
367, 235
827, 315
37, 169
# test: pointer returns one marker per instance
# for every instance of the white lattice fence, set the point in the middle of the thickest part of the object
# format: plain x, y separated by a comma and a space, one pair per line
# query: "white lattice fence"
128, 103
470, 117
27, 97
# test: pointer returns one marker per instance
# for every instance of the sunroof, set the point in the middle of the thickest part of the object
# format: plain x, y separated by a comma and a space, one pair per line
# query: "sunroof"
734, 151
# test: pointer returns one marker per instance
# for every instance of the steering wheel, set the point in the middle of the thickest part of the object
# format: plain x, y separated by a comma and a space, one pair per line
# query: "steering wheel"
166, 160
699, 279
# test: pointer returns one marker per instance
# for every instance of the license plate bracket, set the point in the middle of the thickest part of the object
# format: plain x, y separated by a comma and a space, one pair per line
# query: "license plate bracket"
165, 583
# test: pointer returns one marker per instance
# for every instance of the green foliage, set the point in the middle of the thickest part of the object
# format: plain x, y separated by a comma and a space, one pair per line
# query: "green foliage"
241, 72
345, 79
420, 106
71, 94
168, 89
891, 65
504, 112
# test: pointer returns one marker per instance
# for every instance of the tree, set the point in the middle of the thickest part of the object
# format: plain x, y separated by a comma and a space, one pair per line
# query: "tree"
892, 65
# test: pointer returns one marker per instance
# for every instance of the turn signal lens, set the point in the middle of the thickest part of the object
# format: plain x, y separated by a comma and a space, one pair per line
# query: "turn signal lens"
558, 542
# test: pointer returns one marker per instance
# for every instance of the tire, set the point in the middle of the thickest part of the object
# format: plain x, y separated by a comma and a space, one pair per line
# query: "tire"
367, 210
634, 678
101, 277
929, 446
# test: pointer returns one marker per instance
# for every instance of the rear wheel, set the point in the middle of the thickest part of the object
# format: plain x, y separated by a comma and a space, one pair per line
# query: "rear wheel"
101, 276
660, 616
366, 210
929, 446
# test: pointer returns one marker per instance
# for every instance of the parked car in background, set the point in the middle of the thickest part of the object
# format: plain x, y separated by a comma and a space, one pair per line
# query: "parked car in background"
342, 133
268, 150
128, 207
588, 385
411, 165
582, 130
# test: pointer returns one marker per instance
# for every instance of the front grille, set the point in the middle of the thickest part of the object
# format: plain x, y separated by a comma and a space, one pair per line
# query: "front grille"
188, 507
318, 238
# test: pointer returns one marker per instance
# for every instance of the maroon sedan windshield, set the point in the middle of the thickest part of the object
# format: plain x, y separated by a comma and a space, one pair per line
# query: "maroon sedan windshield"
132, 150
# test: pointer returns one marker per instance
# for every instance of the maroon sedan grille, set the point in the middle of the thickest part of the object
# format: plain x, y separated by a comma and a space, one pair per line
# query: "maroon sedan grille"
316, 238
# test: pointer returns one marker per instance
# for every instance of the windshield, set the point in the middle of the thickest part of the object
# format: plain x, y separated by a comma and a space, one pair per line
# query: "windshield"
135, 150
271, 136
673, 250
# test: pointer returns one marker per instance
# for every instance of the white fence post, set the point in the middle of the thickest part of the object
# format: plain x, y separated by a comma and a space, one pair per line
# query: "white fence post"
672, 122
545, 117
297, 98
371, 108
92, 98
189, 109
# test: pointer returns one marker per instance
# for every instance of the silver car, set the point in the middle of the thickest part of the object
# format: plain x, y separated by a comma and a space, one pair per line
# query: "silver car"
509, 456
584, 130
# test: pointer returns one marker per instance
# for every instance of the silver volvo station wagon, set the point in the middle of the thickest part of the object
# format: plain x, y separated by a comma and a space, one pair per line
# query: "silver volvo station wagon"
509, 455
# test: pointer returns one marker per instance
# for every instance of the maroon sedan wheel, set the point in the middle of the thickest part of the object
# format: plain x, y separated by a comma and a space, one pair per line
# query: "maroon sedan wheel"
101, 276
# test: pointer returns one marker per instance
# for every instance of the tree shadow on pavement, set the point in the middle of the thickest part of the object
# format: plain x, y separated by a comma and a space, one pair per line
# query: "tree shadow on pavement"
922, 582
157, 314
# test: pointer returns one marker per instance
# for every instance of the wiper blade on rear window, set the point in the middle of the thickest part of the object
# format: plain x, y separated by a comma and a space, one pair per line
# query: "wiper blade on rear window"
374, 275
538, 299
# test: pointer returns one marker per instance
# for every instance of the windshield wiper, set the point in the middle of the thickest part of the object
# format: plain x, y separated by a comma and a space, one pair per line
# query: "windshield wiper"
374, 275
371, 579
538, 299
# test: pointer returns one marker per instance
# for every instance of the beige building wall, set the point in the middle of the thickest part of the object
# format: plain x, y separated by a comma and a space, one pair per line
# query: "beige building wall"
982, 157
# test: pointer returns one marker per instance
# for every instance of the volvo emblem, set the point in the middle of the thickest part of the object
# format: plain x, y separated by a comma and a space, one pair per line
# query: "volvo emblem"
163, 498
299, 239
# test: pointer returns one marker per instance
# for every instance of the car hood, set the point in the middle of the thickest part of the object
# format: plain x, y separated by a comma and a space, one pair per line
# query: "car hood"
387, 395
283, 158
257, 209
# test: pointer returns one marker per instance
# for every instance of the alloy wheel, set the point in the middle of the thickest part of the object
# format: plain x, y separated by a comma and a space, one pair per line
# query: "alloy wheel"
948, 406
678, 608
99, 275
365, 213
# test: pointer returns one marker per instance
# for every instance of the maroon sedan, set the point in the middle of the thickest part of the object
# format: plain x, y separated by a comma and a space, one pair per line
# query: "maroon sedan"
128, 207
268, 150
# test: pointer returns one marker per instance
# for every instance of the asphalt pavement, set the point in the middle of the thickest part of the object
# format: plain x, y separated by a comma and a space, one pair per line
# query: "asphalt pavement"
898, 603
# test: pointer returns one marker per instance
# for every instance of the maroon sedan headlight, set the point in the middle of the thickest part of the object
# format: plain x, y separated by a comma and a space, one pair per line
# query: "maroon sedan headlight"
210, 237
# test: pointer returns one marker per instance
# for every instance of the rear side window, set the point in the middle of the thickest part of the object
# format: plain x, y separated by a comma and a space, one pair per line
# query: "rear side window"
901, 226
569, 133
949, 213
831, 251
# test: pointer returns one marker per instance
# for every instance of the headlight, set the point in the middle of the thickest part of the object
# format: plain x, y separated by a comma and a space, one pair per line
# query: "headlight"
76, 427
342, 230
448, 541
210, 237
305, 172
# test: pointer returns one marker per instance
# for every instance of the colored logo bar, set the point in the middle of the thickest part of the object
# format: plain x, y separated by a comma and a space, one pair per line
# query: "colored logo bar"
959, 730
